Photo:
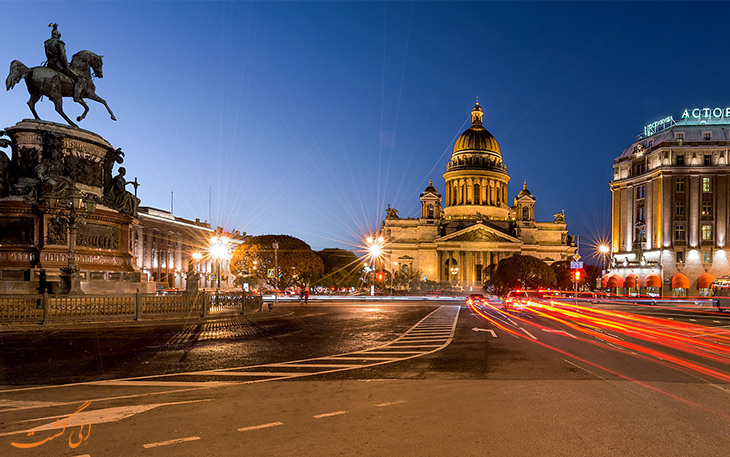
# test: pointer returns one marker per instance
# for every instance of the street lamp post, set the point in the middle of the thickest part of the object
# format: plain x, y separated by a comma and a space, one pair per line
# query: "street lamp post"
70, 210
219, 251
604, 250
276, 273
375, 252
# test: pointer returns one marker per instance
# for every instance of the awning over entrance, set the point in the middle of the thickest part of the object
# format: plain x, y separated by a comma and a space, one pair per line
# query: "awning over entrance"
704, 281
653, 281
632, 281
680, 281
615, 281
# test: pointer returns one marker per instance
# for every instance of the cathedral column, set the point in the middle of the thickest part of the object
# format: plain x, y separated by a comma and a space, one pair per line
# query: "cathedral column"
469, 191
485, 191
462, 270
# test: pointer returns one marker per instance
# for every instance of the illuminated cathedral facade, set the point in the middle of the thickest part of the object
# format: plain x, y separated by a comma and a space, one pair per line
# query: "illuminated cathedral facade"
460, 235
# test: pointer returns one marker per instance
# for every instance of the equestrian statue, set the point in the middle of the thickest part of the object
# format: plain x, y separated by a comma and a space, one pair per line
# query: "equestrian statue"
58, 78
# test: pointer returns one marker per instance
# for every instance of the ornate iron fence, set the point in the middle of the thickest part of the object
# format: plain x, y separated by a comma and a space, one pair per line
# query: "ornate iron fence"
87, 308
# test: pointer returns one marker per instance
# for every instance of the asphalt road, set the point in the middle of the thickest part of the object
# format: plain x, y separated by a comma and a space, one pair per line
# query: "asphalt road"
422, 379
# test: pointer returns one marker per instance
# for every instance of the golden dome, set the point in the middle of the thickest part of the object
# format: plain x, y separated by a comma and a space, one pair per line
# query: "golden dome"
476, 137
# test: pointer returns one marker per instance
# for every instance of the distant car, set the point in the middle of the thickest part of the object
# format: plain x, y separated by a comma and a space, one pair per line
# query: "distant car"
721, 299
516, 299
476, 299
172, 292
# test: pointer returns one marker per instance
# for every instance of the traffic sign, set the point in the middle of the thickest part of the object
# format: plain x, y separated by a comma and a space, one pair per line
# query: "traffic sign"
576, 257
576, 265
270, 273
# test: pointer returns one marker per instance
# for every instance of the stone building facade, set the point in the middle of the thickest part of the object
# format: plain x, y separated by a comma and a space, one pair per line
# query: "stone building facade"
459, 236
670, 206
164, 248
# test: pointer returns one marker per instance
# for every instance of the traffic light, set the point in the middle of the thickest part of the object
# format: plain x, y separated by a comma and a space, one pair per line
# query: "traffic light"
380, 276
577, 275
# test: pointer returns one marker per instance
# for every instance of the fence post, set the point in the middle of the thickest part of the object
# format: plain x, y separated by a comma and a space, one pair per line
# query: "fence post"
205, 304
46, 308
243, 302
137, 306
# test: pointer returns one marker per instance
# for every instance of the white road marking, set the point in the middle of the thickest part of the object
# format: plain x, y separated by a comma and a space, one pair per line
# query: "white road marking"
334, 413
528, 333
390, 403
175, 441
259, 427
97, 416
693, 320
717, 322
489, 330
559, 332
122, 382
13, 405
444, 317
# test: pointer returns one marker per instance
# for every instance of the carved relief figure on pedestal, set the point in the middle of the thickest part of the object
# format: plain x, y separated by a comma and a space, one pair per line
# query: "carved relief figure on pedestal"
116, 196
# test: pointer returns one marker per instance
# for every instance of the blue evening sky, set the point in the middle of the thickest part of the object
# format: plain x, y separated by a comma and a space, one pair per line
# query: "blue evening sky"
308, 118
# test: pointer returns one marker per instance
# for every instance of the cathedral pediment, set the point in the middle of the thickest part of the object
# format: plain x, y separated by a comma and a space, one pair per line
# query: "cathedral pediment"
480, 233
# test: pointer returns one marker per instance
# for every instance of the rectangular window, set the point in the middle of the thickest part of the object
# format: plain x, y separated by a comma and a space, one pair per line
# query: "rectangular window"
679, 232
708, 160
679, 257
706, 233
706, 257
640, 192
707, 208
679, 208
679, 184
640, 214
706, 184
680, 138
680, 160
707, 136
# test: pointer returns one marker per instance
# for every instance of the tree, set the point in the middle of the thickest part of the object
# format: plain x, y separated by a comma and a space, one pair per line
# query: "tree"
408, 279
523, 272
244, 263
341, 268
298, 264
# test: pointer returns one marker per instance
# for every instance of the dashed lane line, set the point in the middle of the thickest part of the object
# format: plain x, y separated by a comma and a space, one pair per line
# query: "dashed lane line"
259, 427
528, 333
390, 403
333, 413
175, 441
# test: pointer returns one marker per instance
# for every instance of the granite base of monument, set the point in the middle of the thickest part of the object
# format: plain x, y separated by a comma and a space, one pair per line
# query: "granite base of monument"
61, 210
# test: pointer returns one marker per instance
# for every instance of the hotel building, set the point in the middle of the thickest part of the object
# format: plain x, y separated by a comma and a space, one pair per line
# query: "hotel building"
670, 206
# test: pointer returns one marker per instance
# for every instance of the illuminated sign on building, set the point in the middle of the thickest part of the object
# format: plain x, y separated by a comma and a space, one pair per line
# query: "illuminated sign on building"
706, 113
658, 126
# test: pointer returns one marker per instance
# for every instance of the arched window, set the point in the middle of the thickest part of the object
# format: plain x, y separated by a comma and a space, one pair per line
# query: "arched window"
525, 213
477, 194
430, 211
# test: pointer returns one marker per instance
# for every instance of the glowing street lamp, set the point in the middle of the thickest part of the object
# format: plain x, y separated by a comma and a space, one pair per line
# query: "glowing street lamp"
603, 252
374, 245
219, 250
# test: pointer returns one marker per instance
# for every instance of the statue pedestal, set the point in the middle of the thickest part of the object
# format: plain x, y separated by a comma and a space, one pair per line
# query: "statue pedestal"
51, 160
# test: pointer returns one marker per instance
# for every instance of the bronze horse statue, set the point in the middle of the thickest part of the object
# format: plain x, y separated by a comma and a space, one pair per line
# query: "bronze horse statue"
56, 85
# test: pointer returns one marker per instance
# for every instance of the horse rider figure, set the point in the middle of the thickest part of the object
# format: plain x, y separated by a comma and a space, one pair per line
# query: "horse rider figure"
56, 60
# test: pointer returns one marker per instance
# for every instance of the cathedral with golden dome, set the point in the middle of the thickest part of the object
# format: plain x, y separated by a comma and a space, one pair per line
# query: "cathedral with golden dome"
460, 235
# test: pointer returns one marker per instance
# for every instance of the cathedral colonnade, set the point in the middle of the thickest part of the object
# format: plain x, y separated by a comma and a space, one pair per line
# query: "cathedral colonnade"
466, 267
